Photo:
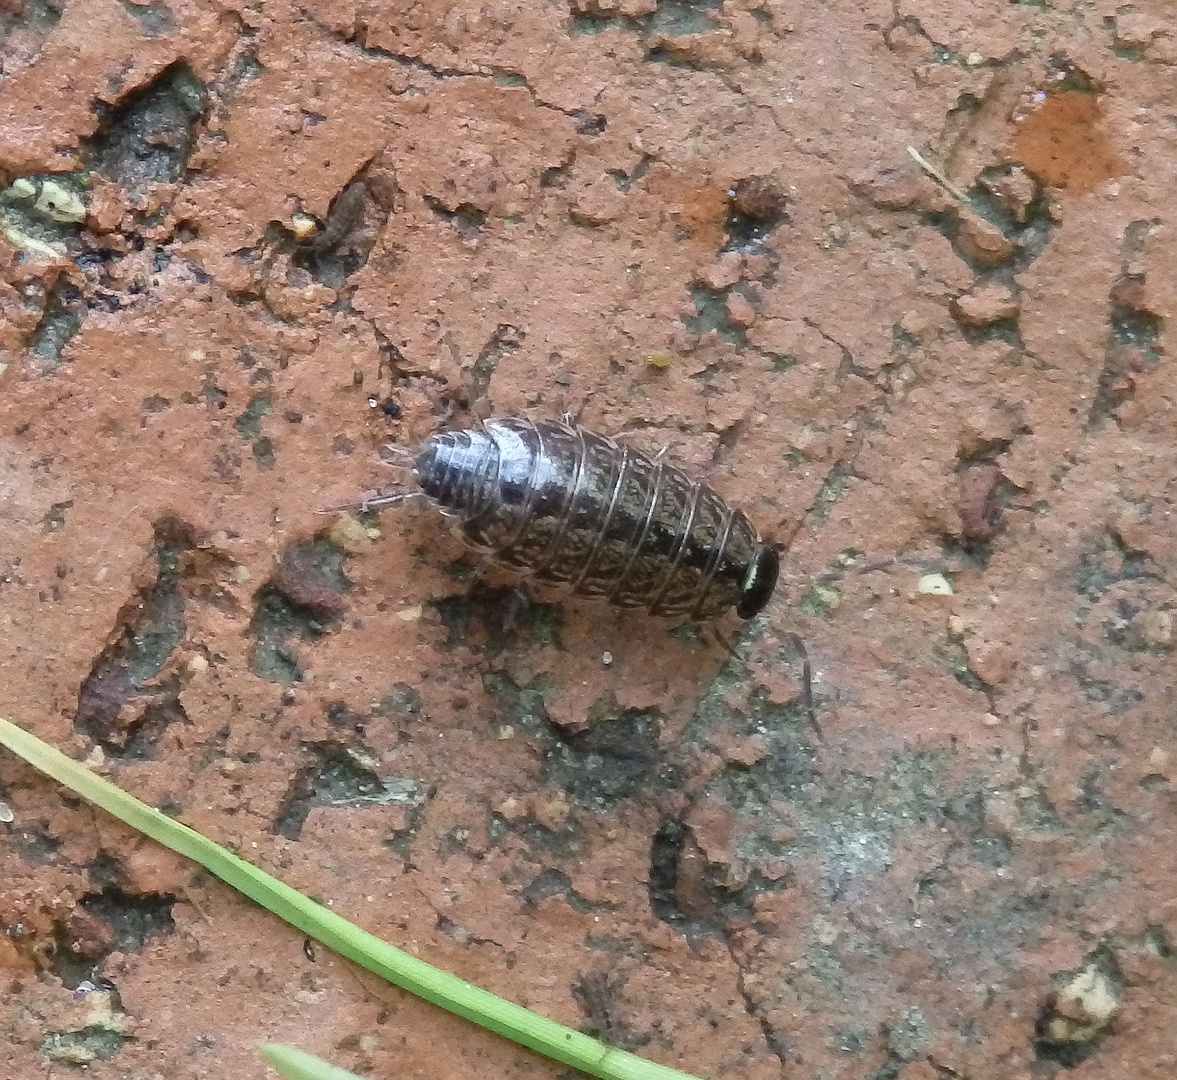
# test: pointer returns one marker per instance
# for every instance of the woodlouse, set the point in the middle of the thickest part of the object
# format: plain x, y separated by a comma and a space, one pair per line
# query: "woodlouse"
573, 508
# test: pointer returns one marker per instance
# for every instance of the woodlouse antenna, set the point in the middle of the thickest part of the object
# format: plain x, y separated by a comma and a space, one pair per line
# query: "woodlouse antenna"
806, 681
854, 571
806, 669
373, 502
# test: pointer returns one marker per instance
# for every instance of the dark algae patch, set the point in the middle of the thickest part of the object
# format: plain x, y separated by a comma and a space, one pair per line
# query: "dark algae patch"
303, 601
125, 673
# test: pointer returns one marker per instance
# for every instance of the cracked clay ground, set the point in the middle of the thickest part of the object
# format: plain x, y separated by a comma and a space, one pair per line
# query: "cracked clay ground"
245, 244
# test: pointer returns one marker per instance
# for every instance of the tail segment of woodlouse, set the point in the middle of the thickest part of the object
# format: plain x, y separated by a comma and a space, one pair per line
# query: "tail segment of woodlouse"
573, 508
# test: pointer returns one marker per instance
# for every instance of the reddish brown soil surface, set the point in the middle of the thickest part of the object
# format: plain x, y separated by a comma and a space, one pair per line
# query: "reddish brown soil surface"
282, 235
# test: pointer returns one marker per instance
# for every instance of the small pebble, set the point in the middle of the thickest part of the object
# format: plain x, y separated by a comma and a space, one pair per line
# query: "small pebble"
1151, 629
606, 658
197, 664
825, 931
827, 597
349, 533
914, 324
511, 809
986, 305
60, 203
6, 814
1084, 1007
725, 271
982, 241
1015, 192
739, 309
935, 585
303, 226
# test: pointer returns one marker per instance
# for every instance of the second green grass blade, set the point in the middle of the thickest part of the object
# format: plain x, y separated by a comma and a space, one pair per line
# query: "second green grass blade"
440, 987
295, 1065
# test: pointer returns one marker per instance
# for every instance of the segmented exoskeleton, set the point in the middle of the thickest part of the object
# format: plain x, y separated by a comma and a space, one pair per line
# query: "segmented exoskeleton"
576, 509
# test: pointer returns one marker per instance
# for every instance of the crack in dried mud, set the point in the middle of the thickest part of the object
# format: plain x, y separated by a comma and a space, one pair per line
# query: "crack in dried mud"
773, 1040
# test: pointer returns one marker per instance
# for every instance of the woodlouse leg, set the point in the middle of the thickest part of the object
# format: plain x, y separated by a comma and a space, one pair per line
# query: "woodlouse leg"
517, 603
396, 457
519, 598
569, 418
707, 630
484, 564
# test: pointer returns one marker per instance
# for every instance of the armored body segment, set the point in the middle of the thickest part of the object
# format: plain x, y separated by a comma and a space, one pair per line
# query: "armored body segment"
592, 514
574, 508
698, 556
654, 556
618, 521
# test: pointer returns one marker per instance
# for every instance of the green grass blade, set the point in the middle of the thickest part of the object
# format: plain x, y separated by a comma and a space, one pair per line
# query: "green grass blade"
295, 1065
439, 987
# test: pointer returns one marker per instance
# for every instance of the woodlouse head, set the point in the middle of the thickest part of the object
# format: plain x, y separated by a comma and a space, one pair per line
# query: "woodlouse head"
758, 586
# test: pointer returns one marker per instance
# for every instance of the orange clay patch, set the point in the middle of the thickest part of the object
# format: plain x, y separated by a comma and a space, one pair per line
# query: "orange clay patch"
1062, 142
